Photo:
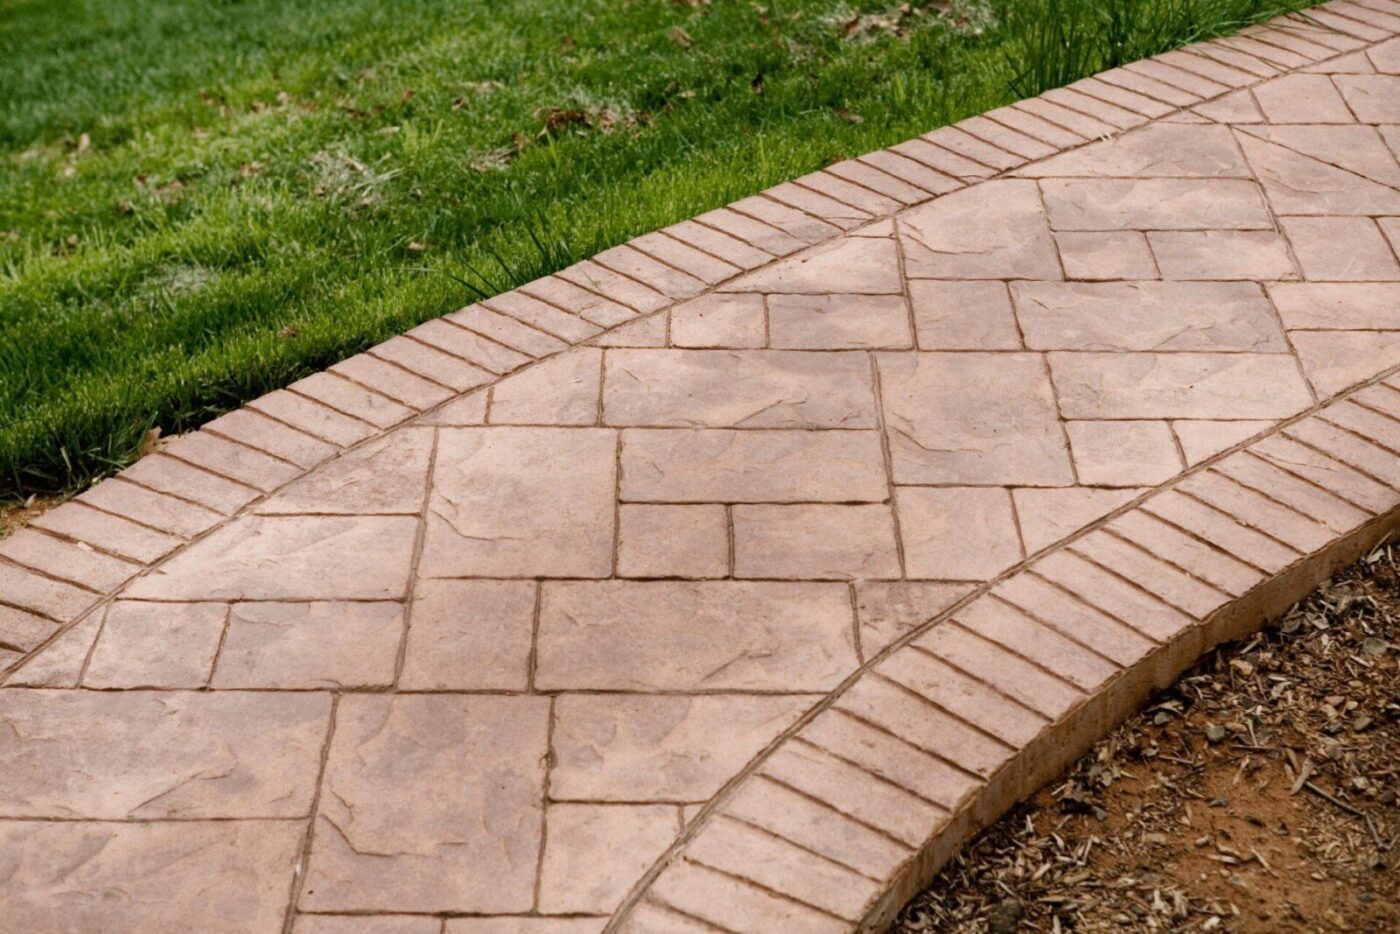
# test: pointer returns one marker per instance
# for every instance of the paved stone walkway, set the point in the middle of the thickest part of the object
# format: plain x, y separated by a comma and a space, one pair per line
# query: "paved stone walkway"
726, 581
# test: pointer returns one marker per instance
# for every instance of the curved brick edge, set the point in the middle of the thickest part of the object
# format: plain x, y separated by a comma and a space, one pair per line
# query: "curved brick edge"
74, 559
854, 809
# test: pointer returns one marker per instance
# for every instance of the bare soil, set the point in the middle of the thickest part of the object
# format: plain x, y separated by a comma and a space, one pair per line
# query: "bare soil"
16, 515
1257, 794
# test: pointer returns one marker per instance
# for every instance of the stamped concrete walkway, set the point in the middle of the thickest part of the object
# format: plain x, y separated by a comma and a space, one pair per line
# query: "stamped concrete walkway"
727, 581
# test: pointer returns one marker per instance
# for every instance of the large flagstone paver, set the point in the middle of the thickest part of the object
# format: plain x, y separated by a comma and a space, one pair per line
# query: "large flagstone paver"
727, 580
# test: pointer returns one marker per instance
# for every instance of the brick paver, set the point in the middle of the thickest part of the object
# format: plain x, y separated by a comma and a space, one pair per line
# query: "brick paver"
728, 580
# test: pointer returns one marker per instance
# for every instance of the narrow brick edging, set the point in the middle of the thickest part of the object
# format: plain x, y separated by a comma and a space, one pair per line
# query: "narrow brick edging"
1352, 441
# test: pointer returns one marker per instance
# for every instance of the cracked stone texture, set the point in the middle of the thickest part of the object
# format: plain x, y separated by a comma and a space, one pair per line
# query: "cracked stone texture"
784, 528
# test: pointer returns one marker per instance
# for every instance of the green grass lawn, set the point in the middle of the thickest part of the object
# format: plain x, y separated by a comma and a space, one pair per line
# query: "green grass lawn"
202, 200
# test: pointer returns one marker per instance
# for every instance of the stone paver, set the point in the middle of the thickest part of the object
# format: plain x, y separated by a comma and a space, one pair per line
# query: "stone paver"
726, 581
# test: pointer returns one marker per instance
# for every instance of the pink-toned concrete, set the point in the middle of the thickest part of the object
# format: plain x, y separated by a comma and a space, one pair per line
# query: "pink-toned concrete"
727, 581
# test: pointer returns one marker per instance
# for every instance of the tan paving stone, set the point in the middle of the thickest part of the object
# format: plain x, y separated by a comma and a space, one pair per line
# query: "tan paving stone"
60, 663
236, 461
1297, 184
21, 629
629, 837
1046, 516
161, 755
960, 702
156, 645
1358, 149
1341, 478
1123, 453
972, 418
951, 315
464, 410
1202, 439
68, 561
1152, 574
815, 826
383, 477
290, 557
431, 803
815, 542
1072, 617
1192, 555
765, 236
1013, 629
1147, 614
1374, 98
796, 223
673, 541
366, 924
996, 230
1222, 530
1235, 108
853, 791
720, 320
518, 924
889, 609
725, 901
1331, 510
392, 381
1340, 306
718, 465
562, 390
876, 750
596, 279
297, 646
957, 533
1158, 150
1151, 316
738, 389
645, 332
176, 478
222, 877
469, 635
838, 322
156, 510
727, 247
621, 747
1154, 204
350, 398
1033, 687
256, 430
1110, 254
1178, 385
691, 636
1258, 256
1300, 98
521, 502
431, 363
1336, 360
865, 265
106, 532
570, 297
909, 716
1299, 532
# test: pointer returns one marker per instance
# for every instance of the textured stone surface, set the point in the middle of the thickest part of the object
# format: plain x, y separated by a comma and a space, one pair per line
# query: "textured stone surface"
517, 502
153, 755
678, 636
787, 544
432, 803
972, 418
147, 878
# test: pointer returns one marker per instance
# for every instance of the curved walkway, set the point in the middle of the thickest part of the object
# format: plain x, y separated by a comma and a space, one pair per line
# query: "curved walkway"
729, 580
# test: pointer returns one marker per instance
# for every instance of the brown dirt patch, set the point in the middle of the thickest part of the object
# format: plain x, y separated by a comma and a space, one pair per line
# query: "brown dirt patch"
18, 515
1257, 794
